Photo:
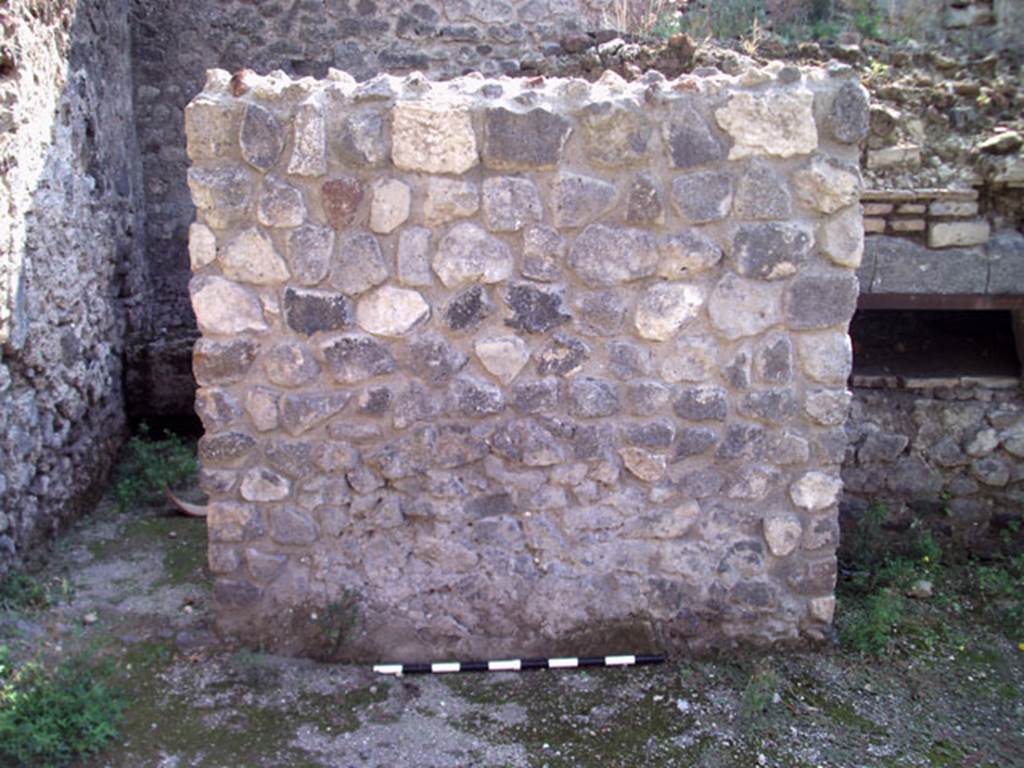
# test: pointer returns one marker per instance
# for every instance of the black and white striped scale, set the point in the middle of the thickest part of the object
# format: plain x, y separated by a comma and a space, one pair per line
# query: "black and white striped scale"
516, 665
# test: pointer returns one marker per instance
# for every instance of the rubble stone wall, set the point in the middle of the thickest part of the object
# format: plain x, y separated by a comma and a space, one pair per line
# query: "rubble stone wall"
997, 23
67, 188
948, 455
175, 43
501, 364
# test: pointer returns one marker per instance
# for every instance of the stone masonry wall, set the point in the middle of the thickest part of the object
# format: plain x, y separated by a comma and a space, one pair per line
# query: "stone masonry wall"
174, 43
67, 190
950, 455
510, 364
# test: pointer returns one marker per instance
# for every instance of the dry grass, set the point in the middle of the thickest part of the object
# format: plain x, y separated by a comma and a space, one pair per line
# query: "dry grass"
639, 17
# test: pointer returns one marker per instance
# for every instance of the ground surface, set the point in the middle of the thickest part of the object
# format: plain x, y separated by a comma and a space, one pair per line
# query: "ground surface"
951, 694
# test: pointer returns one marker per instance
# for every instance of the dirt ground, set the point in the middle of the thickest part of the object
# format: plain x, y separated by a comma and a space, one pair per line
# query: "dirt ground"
139, 592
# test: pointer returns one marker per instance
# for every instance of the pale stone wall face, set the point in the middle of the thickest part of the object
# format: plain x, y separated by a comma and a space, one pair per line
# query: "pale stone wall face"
515, 365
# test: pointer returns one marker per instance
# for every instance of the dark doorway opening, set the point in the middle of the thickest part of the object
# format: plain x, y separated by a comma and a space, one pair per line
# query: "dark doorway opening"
934, 343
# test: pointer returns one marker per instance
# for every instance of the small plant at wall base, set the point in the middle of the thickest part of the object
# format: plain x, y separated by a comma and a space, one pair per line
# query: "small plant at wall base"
49, 717
1002, 586
760, 692
869, 627
150, 465
877, 575
336, 623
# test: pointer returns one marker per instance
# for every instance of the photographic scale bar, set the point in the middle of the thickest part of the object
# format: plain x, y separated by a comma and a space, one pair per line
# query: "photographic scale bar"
517, 665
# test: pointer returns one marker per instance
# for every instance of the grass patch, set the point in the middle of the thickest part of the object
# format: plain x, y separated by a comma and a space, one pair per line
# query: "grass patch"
151, 464
21, 592
51, 716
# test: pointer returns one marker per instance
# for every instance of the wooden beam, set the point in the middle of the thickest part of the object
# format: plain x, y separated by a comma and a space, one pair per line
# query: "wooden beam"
942, 301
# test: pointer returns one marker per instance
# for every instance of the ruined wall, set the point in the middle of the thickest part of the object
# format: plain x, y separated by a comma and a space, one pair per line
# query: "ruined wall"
995, 24
509, 362
174, 43
66, 230
949, 454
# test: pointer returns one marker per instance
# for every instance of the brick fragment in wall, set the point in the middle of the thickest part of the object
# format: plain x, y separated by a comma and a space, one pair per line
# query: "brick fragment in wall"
477, 305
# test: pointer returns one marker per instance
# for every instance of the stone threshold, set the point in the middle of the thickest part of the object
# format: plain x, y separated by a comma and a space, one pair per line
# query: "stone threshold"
894, 381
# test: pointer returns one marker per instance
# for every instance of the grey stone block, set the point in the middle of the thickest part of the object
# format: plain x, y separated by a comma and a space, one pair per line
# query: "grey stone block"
902, 266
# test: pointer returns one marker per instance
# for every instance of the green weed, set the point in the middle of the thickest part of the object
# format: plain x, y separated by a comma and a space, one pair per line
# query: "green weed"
870, 626
867, 19
760, 691
150, 464
1002, 586
21, 592
49, 717
725, 19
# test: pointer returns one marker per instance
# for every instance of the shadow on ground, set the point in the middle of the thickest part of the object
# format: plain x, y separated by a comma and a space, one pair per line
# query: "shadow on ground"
139, 593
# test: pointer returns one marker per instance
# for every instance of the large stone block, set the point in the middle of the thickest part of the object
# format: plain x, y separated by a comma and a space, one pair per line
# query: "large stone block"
777, 124
945, 234
414, 257
360, 265
615, 135
389, 206
468, 254
223, 362
309, 145
261, 137
821, 301
703, 197
902, 266
433, 138
391, 311
225, 308
223, 195
534, 310
577, 200
827, 357
510, 203
739, 307
250, 257
308, 312
341, 200
360, 139
689, 138
771, 251
827, 184
762, 193
664, 309
1006, 263
211, 128
848, 117
448, 199
354, 358
606, 256
529, 140
310, 250
280, 204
